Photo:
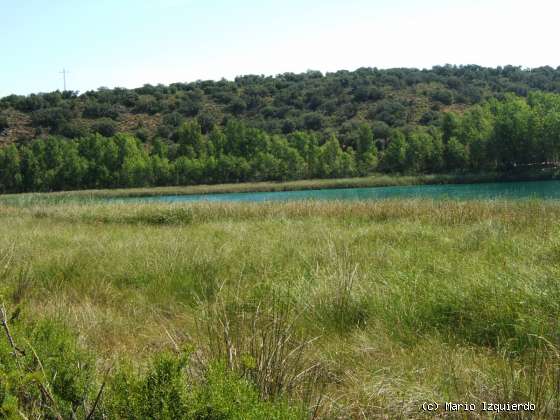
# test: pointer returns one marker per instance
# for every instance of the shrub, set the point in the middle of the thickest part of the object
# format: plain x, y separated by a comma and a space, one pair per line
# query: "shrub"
104, 126
147, 104
237, 106
43, 373
312, 121
73, 130
168, 390
142, 134
52, 118
442, 95
3, 123
100, 110
160, 393
391, 112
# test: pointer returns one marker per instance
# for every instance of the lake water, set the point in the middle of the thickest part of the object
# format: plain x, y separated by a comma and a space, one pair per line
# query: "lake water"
502, 190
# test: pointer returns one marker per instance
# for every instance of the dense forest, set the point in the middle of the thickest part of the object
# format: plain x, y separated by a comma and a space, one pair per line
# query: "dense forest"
292, 126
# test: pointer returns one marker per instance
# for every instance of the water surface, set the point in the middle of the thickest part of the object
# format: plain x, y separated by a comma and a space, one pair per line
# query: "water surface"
497, 190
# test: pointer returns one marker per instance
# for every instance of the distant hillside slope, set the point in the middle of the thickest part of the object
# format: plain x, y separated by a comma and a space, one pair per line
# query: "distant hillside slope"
335, 102
306, 126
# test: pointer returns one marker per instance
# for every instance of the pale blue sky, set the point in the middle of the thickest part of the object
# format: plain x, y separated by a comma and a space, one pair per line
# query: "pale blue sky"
131, 42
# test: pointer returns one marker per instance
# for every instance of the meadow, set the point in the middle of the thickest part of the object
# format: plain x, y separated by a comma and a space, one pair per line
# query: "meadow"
278, 310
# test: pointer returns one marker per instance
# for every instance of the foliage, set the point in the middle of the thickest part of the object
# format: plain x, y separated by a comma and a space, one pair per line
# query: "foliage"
4, 124
104, 126
48, 375
503, 135
311, 100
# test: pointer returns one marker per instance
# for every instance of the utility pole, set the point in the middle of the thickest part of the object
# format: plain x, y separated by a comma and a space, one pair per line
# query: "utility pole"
64, 72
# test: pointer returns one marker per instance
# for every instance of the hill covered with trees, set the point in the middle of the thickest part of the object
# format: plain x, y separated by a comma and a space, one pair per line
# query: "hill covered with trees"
292, 126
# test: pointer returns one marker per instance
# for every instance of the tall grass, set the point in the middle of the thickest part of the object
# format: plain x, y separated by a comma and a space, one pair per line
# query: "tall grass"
362, 309
260, 340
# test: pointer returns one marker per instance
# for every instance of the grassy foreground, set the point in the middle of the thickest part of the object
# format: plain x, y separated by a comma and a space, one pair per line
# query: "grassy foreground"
279, 310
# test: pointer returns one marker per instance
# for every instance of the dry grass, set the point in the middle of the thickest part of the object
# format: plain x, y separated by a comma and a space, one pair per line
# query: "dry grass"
397, 302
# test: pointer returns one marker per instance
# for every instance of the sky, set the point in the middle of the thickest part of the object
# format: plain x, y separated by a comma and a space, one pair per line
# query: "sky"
128, 43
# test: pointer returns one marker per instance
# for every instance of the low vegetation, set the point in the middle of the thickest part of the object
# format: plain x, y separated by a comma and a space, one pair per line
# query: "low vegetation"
277, 310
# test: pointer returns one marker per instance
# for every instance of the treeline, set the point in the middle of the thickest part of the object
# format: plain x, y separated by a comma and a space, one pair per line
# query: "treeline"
494, 136
325, 103
237, 153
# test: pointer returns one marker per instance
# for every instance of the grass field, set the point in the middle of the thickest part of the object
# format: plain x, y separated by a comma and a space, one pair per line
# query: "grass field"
353, 310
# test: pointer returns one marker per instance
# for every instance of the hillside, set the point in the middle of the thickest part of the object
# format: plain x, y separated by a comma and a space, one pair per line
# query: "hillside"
282, 104
291, 126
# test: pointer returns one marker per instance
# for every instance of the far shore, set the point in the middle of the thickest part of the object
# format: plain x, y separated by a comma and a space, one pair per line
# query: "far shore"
376, 180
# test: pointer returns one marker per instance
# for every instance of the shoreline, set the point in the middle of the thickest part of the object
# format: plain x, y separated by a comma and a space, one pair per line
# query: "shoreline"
372, 181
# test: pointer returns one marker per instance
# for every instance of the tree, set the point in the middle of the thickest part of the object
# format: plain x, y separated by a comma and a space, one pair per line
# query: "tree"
10, 173
313, 121
192, 142
511, 143
330, 159
72, 171
134, 170
366, 150
394, 158
419, 152
450, 125
475, 131
456, 155
290, 163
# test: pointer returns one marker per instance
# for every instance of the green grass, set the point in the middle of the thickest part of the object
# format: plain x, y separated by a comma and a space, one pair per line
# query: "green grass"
375, 307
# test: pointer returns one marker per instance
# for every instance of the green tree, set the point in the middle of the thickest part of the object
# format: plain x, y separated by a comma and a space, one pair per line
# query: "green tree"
192, 143
330, 159
511, 143
456, 155
365, 150
10, 173
394, 158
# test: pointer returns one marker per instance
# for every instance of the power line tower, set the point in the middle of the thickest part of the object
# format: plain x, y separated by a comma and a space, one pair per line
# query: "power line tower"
64, 72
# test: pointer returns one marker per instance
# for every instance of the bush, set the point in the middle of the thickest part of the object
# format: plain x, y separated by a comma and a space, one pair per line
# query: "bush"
52, 118
442, 95
73, 130
160, 393
313, 121
237, 106
167, 390
147, 104
189, 108
142, 134
100, 110
391, 112
104, 126
48, 376
3, 123
173, 119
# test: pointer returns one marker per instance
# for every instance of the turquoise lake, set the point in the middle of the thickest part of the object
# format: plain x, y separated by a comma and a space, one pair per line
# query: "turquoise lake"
501, 190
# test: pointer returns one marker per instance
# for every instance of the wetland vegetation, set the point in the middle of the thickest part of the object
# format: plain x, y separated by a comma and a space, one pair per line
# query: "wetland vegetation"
281, 310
